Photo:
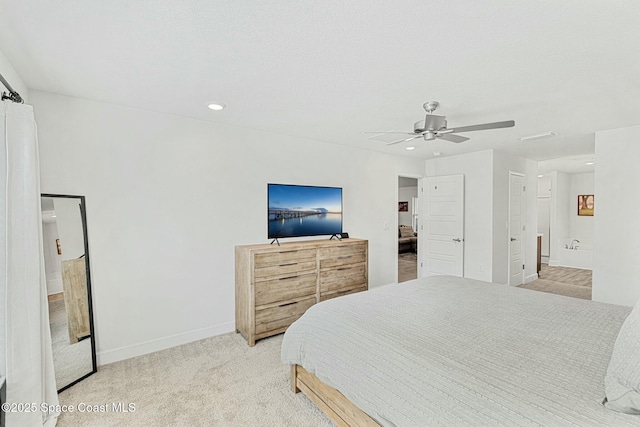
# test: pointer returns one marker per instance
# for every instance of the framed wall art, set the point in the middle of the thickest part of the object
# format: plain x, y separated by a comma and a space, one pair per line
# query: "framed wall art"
585, 204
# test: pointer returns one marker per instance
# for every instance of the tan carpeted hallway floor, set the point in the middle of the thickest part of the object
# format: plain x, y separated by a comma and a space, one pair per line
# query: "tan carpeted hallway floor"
217, 381
571, 282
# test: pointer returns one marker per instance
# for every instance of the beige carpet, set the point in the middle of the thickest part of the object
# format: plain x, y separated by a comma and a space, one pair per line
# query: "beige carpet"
71, 361
407, 266
571, 282
218, 381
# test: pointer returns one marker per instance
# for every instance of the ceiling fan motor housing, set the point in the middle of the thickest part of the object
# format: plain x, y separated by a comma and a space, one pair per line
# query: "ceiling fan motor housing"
430, 123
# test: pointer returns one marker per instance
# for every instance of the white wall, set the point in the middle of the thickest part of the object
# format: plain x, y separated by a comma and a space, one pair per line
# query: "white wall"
477, 169
580, 227
12, 77
51, 257
565, 224
405, 194
559, 213
486, 180
168, 198
69, 222
503, 164
616, 256
544, 212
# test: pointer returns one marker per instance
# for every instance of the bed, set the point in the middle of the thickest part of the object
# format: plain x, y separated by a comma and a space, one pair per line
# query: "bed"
450, 351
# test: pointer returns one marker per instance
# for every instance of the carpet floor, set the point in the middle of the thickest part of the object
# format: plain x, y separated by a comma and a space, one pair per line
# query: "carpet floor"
219, 381
407, 266
71, 361
570, 282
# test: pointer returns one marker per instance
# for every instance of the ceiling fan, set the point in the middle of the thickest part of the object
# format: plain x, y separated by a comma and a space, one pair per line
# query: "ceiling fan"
434, 126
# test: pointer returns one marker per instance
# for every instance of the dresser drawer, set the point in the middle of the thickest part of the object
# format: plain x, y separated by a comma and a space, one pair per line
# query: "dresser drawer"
327, 296
357, 258
281, 316
267, 259
342, 250
342, 277
285, 289
285, 270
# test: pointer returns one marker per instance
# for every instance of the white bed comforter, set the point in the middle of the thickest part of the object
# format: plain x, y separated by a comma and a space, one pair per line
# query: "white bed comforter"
452, 352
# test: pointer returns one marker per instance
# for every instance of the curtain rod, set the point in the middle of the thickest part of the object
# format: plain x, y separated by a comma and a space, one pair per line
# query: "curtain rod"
12, 95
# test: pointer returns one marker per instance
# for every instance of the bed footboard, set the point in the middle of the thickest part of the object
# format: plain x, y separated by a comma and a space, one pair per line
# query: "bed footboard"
338, 408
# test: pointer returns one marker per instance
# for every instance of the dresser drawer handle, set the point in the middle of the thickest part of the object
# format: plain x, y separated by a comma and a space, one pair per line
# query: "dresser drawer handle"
286, 265
287, 278
344, 268
289, 303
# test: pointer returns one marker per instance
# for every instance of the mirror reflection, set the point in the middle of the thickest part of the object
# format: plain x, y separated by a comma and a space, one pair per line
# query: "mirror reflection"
68, 288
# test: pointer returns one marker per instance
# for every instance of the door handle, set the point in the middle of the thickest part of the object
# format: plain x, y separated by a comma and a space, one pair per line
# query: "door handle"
513, 239
457, 240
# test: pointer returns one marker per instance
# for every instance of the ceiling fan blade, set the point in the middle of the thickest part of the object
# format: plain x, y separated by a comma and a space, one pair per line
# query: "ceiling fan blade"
444, 131
392, 131
404, 140
486, 126
453, 138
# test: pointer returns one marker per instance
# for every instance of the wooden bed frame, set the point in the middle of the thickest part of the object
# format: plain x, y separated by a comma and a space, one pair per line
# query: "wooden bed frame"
338, 408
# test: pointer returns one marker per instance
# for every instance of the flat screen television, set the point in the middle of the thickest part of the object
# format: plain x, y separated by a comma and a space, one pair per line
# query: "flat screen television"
302, 210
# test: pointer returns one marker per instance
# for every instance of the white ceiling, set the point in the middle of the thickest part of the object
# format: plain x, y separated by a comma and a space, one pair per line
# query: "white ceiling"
583, 163
329, 70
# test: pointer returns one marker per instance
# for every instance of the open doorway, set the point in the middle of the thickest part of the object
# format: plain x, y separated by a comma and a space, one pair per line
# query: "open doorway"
407, 228
566, 199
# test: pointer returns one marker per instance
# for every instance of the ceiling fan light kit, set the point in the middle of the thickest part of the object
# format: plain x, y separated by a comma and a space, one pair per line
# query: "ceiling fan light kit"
434, 126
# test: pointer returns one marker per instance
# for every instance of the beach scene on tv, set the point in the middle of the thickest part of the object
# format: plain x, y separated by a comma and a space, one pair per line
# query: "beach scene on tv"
296, 211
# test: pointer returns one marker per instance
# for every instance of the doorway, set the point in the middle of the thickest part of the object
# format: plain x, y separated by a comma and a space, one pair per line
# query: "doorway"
564, 229
407, 252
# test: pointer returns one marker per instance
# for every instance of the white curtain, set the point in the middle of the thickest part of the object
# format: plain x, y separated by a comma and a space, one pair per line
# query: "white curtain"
27, 360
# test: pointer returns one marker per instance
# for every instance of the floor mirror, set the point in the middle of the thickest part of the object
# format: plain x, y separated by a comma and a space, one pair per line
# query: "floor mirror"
68, 275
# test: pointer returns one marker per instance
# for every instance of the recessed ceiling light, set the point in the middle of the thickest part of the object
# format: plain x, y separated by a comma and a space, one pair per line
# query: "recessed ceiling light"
437, 153
540, 176
590, 163
217, 106
410, 148
539, 136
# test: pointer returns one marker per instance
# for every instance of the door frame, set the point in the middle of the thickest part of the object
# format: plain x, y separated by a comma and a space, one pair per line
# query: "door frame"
523, 232
417, 177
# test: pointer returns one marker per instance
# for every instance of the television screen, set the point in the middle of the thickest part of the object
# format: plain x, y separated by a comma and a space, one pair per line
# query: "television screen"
299, 210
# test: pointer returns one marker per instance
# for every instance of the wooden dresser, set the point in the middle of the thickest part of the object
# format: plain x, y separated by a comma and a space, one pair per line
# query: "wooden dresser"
275, 285
76, 298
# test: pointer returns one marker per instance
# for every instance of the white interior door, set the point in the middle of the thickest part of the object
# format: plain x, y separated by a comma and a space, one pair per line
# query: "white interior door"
443, 225
516, 229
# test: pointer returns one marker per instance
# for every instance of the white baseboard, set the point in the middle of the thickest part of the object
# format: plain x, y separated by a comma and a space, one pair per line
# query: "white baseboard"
531, 278
122, 353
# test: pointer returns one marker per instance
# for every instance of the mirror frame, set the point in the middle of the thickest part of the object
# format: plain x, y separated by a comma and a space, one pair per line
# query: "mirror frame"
83, 217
